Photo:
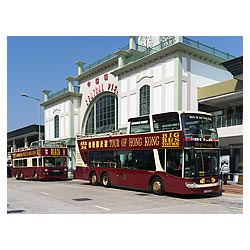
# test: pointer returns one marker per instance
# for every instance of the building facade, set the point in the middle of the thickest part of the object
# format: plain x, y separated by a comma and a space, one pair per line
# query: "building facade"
22, 137
224, 100
150, 75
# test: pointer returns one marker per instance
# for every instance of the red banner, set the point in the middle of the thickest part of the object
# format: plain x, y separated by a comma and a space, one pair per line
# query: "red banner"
134, 141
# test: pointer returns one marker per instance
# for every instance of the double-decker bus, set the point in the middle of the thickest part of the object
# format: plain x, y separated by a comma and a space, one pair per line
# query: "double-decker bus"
42, 160
175, 152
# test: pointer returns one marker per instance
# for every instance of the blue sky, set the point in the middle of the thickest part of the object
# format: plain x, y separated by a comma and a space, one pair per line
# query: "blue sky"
35, 63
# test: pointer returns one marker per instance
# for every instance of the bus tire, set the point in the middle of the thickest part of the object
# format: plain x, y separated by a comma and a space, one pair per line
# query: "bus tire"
157, 186
105, 180
17, 176
93, 179
21, 175
35, 175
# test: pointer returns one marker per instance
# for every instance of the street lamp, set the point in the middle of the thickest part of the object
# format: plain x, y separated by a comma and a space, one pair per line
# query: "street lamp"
39, 113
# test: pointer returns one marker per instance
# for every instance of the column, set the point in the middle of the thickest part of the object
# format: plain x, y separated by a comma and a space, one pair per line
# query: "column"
80, 67
14, 145
70, 83
26, 144
121, 57
46, 94
132, 42
179, 39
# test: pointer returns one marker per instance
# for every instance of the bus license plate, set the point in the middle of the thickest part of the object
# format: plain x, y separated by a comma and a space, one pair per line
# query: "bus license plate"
55, 170
207, 191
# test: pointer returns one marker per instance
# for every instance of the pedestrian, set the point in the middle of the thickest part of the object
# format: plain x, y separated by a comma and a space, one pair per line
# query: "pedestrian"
224, 171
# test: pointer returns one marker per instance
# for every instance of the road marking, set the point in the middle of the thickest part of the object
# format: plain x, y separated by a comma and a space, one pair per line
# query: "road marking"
44, 193
103, 208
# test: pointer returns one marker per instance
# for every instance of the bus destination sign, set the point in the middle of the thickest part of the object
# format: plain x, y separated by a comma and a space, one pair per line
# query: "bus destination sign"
40, 152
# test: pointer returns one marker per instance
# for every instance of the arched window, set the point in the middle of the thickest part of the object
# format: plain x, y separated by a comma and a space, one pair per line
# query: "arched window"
103, 116
145, 100
56, 126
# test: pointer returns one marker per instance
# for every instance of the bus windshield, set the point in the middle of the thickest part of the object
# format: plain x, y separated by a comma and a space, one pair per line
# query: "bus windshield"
55, 161
198, 126
201, 163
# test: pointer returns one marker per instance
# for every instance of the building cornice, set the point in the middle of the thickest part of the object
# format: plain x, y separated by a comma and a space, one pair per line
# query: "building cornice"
177, 47
63, 96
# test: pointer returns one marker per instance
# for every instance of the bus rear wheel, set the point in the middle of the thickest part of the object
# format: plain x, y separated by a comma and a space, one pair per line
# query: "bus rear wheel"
157, 186
105, 180
93, 179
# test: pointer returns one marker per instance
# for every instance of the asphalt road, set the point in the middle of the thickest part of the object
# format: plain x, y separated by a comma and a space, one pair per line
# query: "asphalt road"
78, 197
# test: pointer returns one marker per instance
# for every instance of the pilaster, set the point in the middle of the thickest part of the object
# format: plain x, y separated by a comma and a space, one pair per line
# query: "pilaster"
178, 81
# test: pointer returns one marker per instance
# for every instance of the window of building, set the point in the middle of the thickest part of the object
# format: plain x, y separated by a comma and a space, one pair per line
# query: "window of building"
90, 127
103, 116
56, 126
145, 100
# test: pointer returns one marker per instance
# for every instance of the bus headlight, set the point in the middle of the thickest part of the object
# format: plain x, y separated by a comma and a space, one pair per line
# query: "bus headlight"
65, 170
202, 181
191, 185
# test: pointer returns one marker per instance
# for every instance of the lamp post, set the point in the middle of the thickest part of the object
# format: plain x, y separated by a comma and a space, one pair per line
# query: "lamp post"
39, 113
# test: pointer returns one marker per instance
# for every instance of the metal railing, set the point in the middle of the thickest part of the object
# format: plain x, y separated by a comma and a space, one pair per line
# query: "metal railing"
228, 120
102, 60
212, 50
62, 91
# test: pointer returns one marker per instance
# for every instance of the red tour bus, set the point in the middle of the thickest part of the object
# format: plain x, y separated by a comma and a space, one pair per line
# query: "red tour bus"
174, 152
42, 160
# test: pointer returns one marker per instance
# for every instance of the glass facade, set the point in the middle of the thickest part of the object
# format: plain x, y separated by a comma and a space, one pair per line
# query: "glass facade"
103, 116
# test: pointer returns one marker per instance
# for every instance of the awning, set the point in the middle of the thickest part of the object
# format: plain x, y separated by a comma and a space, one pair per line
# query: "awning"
222, 94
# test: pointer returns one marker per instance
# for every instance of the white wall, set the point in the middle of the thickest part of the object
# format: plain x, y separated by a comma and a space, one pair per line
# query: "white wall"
203, 74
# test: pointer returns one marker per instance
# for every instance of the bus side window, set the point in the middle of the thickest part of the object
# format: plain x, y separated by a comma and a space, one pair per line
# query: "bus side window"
174, 162
34, 162
40, 161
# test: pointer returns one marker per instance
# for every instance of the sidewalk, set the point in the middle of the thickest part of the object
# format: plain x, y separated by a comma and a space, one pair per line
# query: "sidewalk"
232, 188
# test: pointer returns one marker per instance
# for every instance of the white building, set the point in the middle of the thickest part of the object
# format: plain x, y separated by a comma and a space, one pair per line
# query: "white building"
151, 75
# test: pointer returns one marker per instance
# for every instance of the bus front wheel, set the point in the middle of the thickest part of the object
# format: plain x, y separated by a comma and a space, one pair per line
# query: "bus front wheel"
157, 186
105, 180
